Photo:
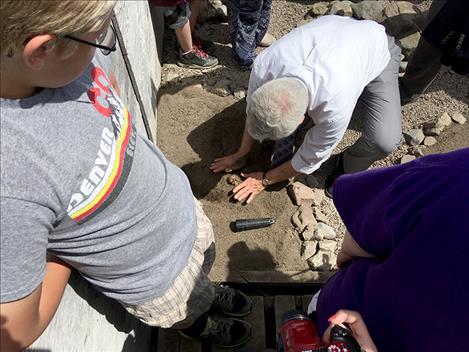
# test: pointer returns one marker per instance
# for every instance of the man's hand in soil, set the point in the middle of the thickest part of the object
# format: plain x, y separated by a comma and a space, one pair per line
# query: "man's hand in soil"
228, 163
250, 187
237, 160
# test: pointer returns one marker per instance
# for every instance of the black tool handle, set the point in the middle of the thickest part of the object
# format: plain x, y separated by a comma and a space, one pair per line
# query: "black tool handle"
249, 224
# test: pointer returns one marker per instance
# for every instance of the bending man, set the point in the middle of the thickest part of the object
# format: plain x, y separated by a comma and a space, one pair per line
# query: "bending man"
322, 68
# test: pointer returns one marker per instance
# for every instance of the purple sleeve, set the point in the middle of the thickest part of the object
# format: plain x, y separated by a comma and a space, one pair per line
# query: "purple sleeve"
361, 201
381, 207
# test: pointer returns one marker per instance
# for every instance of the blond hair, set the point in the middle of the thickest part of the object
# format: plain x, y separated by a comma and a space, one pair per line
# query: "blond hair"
22, 19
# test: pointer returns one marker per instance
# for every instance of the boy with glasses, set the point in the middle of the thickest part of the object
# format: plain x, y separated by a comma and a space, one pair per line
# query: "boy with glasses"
81, 189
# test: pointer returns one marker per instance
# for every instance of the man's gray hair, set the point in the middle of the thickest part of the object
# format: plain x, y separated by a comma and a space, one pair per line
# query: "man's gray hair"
276, 109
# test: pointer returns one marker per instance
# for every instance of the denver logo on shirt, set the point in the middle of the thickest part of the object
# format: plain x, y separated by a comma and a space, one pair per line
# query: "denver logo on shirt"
114, 156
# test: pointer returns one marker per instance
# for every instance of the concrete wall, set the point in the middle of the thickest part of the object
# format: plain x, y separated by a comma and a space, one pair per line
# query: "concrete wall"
140, 49
86, 320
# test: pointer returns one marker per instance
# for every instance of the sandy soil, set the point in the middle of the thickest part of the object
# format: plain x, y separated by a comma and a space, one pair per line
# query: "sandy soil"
196, 126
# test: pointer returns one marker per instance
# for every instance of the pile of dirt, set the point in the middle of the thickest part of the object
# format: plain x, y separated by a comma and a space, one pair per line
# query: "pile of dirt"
195, 126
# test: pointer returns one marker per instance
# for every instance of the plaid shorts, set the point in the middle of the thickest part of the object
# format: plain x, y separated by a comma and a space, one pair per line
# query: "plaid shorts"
191, 293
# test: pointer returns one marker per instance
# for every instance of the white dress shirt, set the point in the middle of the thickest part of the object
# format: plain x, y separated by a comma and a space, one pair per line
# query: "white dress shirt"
335, 57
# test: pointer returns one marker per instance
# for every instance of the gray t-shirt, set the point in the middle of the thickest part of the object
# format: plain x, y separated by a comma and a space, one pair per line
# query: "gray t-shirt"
77, 181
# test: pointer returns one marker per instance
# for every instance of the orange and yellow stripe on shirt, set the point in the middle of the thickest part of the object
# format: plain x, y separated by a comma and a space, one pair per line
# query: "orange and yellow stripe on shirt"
112, 179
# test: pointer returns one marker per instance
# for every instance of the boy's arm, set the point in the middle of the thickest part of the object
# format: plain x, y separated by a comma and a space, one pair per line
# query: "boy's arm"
24, 320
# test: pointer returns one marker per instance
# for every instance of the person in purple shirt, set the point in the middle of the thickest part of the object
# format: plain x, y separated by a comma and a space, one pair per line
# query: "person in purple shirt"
404, 259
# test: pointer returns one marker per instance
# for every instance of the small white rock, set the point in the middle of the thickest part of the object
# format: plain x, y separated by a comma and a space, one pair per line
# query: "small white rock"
341, 8
323, 261
319, 215
444, 119
416, 150
239, 93
309, 233
459, 118
324, 231
402, 66
414, 136
429, 141
308, 249
318, 197
172, 77
327, 245
406, 158
319, 8
405, 7
222, 88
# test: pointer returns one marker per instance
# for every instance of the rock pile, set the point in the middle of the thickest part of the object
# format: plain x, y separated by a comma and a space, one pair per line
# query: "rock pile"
319, 244
418, 139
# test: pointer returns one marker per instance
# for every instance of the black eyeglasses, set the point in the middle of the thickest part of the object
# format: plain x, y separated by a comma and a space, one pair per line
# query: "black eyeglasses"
106, 42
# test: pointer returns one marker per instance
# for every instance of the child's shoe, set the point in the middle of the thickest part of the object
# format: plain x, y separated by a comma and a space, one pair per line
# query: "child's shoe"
196, 58
231, 302
224, 332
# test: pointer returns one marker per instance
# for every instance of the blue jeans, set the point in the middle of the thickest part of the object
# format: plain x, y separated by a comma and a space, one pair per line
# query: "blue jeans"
249, 20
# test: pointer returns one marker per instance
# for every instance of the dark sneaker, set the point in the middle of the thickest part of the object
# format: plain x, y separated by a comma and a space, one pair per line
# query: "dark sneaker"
338, 171
224, 332
205, 45
231, 302
196, 59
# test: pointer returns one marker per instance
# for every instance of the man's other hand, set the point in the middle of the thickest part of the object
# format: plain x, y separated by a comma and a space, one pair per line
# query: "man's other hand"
228, 163
249, 188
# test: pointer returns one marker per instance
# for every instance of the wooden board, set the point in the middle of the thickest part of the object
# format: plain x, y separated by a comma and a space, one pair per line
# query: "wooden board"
281, 305
306, 299
170, 341
306, 277
257, 322
187, 345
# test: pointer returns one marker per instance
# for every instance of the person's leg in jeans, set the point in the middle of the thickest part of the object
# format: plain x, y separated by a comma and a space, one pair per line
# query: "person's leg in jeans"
423, 65
382, 118
264, 19
243, 16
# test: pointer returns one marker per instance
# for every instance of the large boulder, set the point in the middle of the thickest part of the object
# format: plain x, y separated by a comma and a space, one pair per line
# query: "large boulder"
341, 8
409, 43
318, 9
370, 10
